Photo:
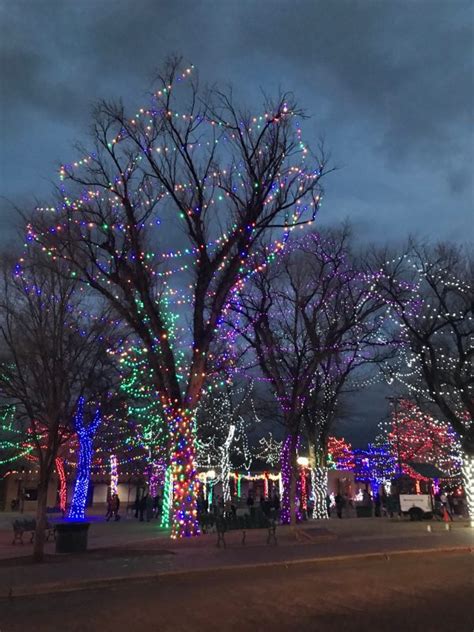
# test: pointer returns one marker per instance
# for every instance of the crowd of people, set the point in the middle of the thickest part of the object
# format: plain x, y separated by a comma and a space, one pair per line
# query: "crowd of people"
147, 507
217, 507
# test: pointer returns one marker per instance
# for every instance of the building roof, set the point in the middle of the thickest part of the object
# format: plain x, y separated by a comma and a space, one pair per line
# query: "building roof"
427, 470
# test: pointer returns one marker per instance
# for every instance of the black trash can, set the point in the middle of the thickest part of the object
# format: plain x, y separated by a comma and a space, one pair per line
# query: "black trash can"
71, 537
363, 511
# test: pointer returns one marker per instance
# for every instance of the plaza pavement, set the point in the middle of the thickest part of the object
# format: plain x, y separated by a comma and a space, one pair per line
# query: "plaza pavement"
407, 593
130, 550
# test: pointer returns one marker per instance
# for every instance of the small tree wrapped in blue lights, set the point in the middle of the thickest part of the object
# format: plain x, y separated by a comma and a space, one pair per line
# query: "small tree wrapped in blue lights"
85, 435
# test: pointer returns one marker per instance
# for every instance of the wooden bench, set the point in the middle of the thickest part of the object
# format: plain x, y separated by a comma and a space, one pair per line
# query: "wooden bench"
223, 525
27, 525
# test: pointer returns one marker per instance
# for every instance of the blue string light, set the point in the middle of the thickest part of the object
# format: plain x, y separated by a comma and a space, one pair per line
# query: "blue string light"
85, 435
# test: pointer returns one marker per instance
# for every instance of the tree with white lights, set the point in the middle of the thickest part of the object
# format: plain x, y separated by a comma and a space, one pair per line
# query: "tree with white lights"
223, 420
430, 297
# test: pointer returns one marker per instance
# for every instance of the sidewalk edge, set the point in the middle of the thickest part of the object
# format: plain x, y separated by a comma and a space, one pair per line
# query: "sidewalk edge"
84, 584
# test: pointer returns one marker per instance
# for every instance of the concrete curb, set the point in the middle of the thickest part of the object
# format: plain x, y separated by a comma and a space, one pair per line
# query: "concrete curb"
80, 585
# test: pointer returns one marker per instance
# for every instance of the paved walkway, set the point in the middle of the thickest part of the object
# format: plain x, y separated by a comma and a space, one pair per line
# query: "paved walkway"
428, 594
128, 549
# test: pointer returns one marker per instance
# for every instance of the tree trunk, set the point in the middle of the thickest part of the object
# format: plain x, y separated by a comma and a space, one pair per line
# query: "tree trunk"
467, 470
81, 488
62, 484
167, 499
40, 536
226, 495
289, 510
319, 484
294, 513
185, 482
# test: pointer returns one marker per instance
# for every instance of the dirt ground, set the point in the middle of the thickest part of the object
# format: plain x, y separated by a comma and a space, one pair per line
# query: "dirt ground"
422, 592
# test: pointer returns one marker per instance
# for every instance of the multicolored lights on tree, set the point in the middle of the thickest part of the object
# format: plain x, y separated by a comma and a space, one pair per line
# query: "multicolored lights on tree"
233, 180
340, 454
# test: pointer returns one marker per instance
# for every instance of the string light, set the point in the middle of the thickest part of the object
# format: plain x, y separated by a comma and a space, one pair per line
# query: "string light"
85, 435
113, 475
62, 483
119, 214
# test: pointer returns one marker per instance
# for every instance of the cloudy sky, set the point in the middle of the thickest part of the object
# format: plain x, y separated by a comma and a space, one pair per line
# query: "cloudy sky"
388, 84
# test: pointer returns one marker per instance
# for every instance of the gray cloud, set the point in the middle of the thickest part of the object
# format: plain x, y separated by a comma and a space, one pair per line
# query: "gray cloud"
389, 84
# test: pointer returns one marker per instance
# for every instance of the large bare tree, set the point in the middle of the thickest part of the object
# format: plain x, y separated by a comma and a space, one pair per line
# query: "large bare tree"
430, 294
51, 357
217, 179
311, 319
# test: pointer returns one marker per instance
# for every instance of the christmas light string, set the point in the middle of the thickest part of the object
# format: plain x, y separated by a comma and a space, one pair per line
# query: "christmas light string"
85, 435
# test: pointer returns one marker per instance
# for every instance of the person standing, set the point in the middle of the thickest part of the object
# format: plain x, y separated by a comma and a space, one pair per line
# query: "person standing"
378, 505
339, 500
115, 506
142, 506
328, 505
156, 506
149, 507
446, 507
108, 514
136, 504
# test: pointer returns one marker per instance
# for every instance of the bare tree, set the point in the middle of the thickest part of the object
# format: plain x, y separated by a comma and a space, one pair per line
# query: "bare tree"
311, 319
224, 419
430, 294
51, 357
218, 180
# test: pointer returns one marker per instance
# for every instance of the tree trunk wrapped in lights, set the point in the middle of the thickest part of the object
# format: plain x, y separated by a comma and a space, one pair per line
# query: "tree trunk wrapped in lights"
319, 485
167, 498
156, 475
225, 464
289, 510
113, 474
62, 483
86, 436
467, 469
319, 481
185, 480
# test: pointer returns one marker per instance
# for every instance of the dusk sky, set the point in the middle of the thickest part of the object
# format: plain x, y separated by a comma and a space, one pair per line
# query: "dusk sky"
389, 85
